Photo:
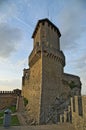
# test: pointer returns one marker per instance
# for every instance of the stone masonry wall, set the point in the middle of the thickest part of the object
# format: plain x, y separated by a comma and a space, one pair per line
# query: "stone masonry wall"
78, 109
37, 38
32, 91
44, 81
51, 86
70, 77
7, 100
76, 113
48, 34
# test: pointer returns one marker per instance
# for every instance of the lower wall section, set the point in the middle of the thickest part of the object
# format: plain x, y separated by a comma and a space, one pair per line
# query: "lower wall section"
78, 109
32, 91
7, 100
51, 86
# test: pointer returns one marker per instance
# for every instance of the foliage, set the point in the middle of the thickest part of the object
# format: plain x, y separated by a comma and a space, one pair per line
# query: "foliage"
72, 84
12, 108
1, 122
14, 120
1, 113
25, 101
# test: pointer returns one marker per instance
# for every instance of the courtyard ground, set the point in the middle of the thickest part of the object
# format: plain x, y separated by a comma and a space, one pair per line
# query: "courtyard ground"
24, 124
65, 126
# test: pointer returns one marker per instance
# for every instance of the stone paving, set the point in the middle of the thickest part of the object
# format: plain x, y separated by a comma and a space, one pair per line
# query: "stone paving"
41, 127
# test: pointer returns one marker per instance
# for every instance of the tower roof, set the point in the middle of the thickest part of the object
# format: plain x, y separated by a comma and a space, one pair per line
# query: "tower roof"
48, 21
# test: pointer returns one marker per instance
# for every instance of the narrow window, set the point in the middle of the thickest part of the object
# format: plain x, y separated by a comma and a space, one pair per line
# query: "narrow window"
54, 29
48, 25
42, 23
51, 27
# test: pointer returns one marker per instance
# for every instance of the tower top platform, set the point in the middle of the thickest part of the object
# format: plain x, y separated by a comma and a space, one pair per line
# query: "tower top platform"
49, 23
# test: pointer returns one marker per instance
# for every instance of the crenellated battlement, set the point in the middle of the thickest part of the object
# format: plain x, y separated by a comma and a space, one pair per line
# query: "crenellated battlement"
34, 56
7, 92
8, 98
16, 91
45, 81
53, 53
55, 56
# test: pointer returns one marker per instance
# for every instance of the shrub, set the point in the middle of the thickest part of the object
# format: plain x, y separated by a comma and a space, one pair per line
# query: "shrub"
72, 84
25, 101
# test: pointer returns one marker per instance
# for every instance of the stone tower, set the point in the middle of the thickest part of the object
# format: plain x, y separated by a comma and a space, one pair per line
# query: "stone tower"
45, 80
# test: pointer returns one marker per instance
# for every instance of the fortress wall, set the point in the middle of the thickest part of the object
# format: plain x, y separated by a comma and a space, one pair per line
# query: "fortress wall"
25, 81
84, 106
46, 81
32, 90
7, 100
79, 112
70, 77
37, 38
51, 86
50, 35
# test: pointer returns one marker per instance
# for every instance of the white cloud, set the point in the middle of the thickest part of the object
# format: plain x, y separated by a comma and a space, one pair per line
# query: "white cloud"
7, 11
71, 21
22, 63
9, 39
10, 84
73, 28
72, 25
11, 74
10, 69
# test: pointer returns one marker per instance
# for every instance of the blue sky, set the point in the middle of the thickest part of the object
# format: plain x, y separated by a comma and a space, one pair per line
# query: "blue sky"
17, 22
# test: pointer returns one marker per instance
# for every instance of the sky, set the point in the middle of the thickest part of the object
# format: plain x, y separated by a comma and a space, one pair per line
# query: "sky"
18, 19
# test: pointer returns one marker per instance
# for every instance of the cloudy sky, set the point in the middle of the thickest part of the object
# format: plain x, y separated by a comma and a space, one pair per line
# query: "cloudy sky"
17, 21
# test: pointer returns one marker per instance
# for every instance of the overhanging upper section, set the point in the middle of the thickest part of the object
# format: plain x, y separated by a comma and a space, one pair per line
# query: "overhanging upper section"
49, 22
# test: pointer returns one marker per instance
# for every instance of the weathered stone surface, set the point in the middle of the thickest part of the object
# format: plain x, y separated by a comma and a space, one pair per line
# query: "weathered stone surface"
45, 81
8, 98
79, 113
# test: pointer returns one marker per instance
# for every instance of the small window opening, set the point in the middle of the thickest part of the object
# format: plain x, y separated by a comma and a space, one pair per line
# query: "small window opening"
43, 23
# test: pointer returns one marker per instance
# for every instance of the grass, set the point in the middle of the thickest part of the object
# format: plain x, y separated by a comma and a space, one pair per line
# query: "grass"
1, 122
1, 113
14, 121
12, 108
25, 101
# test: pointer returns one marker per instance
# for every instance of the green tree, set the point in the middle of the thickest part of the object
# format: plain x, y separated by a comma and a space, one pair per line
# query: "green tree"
72, 84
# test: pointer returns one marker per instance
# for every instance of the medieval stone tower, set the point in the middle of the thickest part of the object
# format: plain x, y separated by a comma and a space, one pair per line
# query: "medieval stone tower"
45, 81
